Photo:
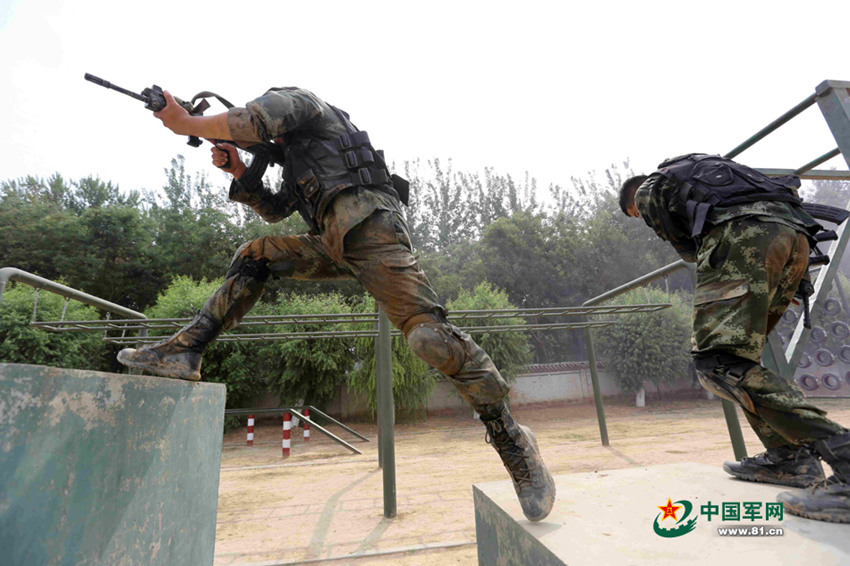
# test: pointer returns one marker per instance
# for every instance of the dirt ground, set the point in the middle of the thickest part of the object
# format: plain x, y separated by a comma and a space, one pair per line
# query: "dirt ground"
325, 502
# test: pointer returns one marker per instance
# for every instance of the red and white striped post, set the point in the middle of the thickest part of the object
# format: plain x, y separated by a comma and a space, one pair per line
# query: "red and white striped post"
306, 425
287, 426
250, 430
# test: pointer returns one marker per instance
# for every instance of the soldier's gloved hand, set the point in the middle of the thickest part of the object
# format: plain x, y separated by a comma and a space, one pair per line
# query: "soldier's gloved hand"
224, 153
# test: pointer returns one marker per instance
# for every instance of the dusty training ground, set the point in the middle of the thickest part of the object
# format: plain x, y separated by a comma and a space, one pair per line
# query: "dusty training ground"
326, 502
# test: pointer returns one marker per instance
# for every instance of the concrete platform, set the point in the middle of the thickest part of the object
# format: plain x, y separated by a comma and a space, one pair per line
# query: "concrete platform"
101, 468
610, 518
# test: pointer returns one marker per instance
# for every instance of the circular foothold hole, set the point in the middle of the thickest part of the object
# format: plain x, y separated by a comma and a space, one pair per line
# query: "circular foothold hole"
844, 353
818, 334
806, 360
808, 382
840, 330
832, 306
831, 381
789, 316
824, 358
847, 377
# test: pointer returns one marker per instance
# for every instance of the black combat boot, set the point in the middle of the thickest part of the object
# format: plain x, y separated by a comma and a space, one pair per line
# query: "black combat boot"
518, 449
178, 356
828, 500
794, 466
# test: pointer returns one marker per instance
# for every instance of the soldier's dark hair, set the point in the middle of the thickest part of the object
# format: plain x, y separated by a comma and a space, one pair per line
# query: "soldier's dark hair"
627, 191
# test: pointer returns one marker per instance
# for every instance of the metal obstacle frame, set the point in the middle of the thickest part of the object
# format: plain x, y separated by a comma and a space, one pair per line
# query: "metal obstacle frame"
382, 335
833, 100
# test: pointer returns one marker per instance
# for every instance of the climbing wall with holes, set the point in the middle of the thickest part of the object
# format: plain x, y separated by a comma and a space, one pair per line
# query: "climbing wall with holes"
824, 366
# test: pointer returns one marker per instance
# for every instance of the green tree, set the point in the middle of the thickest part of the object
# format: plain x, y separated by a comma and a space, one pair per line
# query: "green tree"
648, 348
510, 351
413, 379
298, 371
23, 344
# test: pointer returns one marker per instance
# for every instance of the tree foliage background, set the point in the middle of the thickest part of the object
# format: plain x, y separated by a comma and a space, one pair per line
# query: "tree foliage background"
163, 250
652, 348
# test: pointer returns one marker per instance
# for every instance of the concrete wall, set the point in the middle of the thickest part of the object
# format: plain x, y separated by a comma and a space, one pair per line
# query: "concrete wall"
569, 382
556, 387
99, 468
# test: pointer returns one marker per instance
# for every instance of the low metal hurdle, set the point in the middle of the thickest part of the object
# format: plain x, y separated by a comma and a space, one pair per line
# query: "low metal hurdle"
303, 413
287, 426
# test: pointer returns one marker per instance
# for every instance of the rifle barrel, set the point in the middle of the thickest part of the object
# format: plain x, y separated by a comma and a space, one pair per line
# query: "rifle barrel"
107, 84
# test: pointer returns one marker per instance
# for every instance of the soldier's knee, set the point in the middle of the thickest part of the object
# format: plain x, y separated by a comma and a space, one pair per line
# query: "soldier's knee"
244, 264
721, 373
433, 340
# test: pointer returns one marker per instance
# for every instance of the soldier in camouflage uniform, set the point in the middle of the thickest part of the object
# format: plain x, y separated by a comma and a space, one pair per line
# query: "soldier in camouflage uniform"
750, 259
340, 185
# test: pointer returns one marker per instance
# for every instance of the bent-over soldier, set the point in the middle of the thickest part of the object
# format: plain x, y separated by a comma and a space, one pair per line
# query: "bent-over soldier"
750, 240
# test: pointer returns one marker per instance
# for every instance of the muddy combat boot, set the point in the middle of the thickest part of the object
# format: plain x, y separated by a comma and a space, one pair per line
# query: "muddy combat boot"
178, 356
828, 500
783, 465
518, 449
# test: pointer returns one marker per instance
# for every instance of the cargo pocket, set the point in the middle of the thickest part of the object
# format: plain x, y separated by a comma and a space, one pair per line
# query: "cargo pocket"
721, 317
721, 291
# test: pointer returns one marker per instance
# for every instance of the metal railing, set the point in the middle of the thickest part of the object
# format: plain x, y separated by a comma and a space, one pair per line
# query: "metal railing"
13, 274
347, 319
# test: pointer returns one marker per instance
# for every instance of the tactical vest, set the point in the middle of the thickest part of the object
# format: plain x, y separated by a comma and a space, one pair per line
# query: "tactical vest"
710, 180
351, 153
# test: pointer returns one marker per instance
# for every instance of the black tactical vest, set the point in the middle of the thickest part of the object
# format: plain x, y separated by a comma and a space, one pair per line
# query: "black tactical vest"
711, 180
351, 155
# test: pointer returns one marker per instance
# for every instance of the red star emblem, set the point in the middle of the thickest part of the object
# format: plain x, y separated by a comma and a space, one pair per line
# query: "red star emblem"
670, 510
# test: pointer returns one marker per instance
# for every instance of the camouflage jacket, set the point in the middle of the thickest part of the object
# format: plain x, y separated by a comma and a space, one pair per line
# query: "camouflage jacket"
308, 131
661, 207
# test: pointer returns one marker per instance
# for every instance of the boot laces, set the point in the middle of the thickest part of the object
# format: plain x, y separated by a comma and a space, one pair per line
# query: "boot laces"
799, 452
825, 483
511, 452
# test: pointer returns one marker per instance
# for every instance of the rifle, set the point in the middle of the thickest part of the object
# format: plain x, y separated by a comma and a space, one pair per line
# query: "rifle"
154, 100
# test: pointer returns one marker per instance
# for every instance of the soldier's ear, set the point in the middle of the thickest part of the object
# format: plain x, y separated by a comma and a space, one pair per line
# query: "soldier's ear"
628, 190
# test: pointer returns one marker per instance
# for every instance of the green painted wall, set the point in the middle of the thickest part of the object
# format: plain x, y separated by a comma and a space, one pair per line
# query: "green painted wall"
101, 468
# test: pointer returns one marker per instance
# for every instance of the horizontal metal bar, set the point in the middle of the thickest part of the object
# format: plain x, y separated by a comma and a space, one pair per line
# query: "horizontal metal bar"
266, 411
819, 174
160, 324
761, 134
326, 432
14, 274
372, 333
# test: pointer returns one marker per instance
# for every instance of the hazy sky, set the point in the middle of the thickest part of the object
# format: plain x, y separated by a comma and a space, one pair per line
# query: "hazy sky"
552, 88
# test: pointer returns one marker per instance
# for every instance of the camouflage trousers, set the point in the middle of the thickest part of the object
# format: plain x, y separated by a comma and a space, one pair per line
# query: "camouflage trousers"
376, 252
747, 273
